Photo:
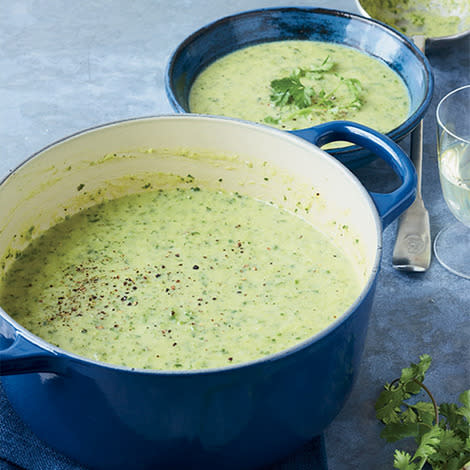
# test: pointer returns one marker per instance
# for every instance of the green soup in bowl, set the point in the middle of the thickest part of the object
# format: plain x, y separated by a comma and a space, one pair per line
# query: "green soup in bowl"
298, 84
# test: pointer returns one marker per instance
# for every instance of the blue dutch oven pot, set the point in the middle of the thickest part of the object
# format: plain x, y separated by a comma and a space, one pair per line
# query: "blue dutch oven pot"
366, 35
240, 416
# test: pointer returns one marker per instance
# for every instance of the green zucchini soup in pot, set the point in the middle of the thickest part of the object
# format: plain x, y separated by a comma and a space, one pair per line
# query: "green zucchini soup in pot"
179, 278
182, 272
205, 278
295, 84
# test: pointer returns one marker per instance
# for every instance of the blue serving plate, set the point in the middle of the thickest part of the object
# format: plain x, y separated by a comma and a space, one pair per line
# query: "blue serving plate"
369, 36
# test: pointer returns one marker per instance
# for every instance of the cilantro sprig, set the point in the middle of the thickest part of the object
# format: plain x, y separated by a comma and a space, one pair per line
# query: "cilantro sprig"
290, 90
441, 433
303, 93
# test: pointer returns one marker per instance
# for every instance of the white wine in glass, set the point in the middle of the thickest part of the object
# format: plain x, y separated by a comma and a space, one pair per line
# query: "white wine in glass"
452, 243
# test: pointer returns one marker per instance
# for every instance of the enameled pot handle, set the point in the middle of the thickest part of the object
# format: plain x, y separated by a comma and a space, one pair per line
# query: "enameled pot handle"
23, 357
389, 205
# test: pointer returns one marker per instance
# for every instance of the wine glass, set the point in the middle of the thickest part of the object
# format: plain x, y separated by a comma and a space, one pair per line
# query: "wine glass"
452, 243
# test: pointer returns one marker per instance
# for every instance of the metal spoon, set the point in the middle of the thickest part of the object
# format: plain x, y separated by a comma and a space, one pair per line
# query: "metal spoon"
412, 251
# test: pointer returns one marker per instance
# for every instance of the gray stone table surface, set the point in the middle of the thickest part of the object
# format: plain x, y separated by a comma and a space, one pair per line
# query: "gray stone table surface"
66, 66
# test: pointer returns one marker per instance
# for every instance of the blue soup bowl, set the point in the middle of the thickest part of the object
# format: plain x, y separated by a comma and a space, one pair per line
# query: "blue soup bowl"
241, 416
369, 36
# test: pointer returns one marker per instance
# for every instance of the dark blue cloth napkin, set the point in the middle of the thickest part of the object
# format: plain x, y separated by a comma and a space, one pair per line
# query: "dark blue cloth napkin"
20, 449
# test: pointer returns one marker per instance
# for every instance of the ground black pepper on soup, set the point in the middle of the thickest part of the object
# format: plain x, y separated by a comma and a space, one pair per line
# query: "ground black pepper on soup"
179, 278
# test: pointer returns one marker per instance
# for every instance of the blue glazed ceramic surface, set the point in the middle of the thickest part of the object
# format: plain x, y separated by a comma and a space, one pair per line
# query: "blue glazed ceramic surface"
242, 416
253, 27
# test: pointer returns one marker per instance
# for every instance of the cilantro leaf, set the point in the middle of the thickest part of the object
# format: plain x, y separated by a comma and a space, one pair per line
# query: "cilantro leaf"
315, 91
387, 406
290, 90
396, 431
271, 120
424, 411
325, 66
443, 444
354, 86
409, 416
415, 372
464, 410
402, 461
453, 417
429, 443
449, 445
